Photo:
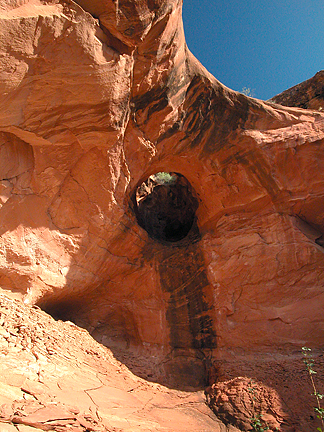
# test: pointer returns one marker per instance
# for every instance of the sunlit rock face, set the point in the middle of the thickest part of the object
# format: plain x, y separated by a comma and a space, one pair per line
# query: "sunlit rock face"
308, 94
97, 97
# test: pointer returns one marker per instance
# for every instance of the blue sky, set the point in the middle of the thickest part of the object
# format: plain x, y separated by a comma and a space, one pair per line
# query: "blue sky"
266, 45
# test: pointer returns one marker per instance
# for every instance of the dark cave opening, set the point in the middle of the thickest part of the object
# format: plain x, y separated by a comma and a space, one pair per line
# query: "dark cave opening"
165, 206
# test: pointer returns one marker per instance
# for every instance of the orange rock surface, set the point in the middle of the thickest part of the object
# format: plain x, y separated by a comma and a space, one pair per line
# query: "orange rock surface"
96, 97
63, 380
308, 94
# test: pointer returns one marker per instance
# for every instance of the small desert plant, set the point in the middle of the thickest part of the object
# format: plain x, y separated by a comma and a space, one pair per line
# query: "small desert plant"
309, 362
257, 423
164, 178
247, 92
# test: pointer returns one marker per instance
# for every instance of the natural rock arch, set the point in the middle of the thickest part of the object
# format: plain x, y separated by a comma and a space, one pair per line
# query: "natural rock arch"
165, 206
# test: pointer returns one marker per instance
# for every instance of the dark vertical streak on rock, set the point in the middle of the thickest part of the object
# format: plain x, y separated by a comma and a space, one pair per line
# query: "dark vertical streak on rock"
183, 276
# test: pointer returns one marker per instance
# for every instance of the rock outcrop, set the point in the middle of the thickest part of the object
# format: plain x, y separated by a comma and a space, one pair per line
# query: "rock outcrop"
98, 97
308, 94
247, 403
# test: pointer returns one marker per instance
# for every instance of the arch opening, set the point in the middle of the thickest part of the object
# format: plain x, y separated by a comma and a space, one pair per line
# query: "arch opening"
165, 206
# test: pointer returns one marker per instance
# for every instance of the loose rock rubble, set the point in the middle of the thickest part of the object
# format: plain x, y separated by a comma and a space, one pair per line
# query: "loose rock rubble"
56, 377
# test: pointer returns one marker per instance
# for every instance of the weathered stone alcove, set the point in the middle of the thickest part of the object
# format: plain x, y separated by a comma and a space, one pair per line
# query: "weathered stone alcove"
176, 340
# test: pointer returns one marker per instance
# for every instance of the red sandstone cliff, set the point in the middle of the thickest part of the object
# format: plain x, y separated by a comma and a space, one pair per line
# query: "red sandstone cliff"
96, 97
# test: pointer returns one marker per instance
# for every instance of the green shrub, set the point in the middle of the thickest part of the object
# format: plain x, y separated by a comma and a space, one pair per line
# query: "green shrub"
309, 362
165, 178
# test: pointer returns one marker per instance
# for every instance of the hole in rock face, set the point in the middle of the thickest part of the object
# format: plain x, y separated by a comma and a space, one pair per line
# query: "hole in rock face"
165, 206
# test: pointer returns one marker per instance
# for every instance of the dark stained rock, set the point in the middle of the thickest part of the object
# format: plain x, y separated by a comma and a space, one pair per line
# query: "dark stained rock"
308, 94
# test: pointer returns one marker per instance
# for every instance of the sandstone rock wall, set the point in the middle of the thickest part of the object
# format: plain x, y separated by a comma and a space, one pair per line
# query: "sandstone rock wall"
95, 98
308, 94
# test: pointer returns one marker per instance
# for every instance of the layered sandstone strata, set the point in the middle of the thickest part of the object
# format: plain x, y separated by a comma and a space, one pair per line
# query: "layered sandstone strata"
98, 97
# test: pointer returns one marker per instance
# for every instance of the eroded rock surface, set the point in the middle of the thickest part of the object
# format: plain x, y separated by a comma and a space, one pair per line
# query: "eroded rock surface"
63, 380
246, 403
308, 94
96, 97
